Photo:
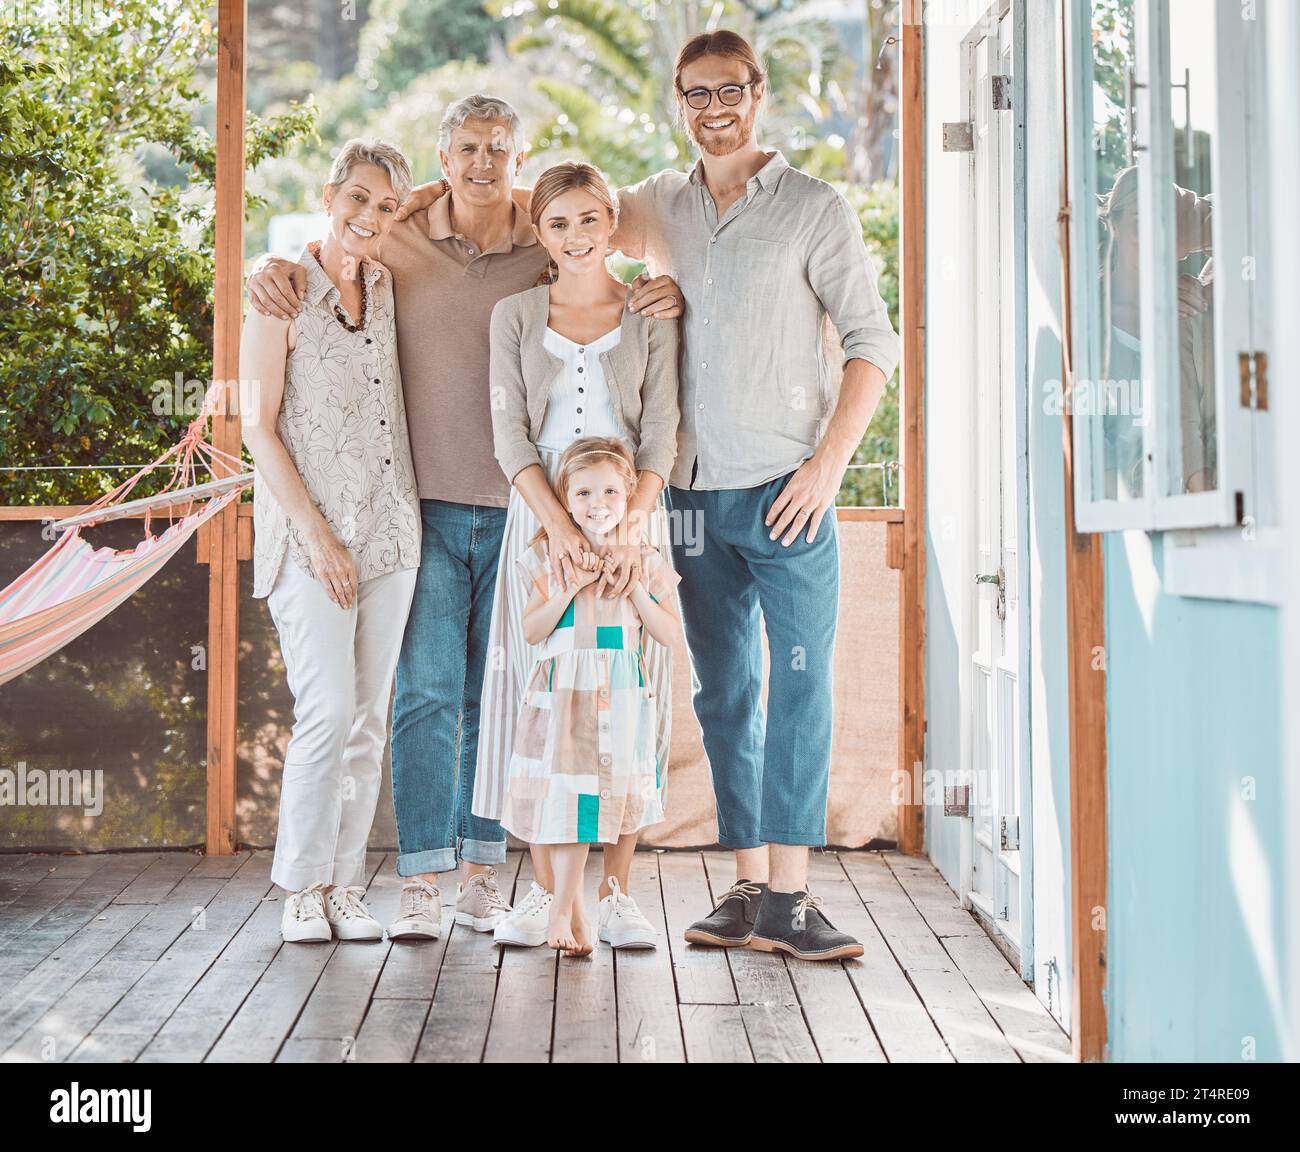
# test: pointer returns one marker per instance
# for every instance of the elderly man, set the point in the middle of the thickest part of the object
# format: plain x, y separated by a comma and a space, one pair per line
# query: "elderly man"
450, 265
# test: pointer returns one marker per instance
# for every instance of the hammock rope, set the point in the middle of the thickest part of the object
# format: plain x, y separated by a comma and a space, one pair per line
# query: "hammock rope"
75, 585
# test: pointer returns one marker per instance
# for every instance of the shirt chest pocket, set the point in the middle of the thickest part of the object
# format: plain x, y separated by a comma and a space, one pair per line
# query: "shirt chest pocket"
758, 274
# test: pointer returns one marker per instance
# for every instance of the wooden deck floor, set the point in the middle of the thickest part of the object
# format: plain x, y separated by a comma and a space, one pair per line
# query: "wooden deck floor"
177, 957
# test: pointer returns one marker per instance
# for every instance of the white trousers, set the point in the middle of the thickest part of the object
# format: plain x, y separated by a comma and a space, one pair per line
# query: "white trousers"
339, 664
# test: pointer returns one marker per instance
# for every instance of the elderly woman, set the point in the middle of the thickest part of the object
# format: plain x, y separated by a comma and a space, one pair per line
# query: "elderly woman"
338, 537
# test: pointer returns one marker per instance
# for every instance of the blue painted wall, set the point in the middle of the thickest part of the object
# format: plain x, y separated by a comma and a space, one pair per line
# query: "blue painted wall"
1195, 950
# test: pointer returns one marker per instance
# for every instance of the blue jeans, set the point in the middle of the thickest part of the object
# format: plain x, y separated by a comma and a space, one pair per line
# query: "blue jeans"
439, 684
770, 773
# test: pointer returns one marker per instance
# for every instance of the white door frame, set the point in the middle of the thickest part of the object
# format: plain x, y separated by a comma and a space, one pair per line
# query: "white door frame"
1016, 271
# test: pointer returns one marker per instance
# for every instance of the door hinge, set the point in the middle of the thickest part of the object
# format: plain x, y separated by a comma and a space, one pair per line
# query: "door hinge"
958, 136
1010, 833
1001, 91
1252, 369
956, 800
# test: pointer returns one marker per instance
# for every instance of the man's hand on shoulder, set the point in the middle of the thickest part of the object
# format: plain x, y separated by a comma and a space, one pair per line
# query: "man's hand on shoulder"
277, 287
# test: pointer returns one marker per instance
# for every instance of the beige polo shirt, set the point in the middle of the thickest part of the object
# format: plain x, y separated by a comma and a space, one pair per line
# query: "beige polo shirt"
445, 291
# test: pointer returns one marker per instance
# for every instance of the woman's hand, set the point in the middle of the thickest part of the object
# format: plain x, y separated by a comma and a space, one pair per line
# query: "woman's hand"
565, 546
622, 570
333, 566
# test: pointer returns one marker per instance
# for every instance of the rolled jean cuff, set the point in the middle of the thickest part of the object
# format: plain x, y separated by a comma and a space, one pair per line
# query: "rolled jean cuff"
736, 843
422, 863
805, 839
483, 851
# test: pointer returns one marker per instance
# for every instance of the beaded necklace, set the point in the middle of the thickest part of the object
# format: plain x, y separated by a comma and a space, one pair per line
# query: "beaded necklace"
339, 314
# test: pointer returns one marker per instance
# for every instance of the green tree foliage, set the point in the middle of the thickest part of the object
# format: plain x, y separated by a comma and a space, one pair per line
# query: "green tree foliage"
106, 261
404, 39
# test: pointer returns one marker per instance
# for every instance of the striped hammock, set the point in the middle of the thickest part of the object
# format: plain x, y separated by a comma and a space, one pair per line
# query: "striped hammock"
75, 585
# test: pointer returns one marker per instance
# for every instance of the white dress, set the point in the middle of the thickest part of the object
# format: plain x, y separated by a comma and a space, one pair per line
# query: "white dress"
578, 406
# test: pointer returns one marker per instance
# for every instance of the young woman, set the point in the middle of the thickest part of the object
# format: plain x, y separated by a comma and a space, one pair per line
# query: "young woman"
570, 361
337, 524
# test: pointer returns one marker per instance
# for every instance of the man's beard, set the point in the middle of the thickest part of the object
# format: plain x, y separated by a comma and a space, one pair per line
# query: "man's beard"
717, 145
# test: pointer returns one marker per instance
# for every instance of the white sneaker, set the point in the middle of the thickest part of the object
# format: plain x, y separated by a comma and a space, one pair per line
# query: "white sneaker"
348, 915
479, 903
529, 924
621, 924
303, 919
420, 914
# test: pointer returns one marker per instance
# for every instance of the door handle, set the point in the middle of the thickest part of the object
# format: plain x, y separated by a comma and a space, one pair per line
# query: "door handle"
998, 579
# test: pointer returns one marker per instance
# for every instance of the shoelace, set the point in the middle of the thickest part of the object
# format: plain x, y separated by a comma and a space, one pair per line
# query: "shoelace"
741, 890
309, 903
351, 905
623, 903
536, 894
413, 895
799, 912
491, 893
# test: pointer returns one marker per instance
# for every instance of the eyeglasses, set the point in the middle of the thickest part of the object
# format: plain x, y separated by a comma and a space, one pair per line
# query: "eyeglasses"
728, 94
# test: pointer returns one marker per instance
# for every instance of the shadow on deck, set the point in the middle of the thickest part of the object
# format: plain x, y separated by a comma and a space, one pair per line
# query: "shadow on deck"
178, 957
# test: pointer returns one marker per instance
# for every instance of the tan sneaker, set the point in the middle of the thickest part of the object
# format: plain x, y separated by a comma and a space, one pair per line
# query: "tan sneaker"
480, 903
420, 915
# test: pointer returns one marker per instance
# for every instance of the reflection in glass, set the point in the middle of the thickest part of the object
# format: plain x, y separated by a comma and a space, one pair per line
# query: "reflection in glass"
1190, 425
1117, 392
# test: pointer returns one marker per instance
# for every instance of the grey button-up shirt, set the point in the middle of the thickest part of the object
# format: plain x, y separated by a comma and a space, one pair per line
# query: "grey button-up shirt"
757, 388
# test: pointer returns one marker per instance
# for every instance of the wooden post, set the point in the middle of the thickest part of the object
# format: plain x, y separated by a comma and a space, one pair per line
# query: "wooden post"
222, 541
911, 616
1085, 608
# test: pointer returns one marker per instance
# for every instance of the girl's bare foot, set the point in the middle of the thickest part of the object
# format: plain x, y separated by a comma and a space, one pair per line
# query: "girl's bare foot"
581, 929
560, 930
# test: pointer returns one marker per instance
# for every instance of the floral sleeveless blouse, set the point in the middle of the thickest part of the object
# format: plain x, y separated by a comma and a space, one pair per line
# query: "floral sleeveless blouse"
343, 422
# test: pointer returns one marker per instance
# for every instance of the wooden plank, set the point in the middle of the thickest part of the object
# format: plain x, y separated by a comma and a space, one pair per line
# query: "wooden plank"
337, 1004
220, 865
523, 1014
156, 881
778, 1034
970, 1033
760, 977
649, 1020
894, 545
938, 904
703, 975
196, 1024
148, 1005
391, 1032
75, 903
911, 616
223, 575
26, 1001
163, 924
586, 1022
899, 1021
258, 1029
1085, 607
832, 1009
69, 1020
115, 1048
715, 1034
869, 515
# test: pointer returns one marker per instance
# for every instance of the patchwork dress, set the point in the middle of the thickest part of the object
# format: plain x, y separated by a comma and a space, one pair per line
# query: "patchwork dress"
584, 768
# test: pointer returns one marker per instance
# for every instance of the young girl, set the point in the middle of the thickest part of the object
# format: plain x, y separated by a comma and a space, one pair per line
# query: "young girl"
583, 770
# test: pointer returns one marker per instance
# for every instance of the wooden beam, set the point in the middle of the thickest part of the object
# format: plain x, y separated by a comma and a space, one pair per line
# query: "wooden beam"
1085, 607
911, 616
222, 540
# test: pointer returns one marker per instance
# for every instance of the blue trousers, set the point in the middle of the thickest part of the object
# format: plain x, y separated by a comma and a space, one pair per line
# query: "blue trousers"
770, 772
439, 685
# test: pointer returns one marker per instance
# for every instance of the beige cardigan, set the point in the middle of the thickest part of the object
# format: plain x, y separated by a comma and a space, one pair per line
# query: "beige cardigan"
640, 370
